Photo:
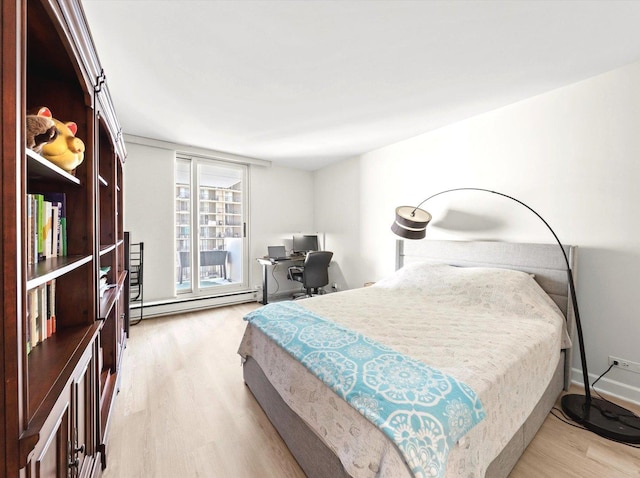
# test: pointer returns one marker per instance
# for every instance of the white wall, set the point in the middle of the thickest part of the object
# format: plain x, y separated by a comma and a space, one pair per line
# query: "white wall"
337, 192
571, 154
149, 191
280, 203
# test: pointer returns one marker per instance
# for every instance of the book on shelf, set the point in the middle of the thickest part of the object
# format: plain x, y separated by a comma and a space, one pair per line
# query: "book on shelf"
39, 213
55, 230
47, 229
32, 229
59, 216
51, 308
32, 313
103, 282
41, 314
103, 286
46, 226
29, 324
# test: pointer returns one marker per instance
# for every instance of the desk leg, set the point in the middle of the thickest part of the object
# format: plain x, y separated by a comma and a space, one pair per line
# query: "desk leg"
265, 274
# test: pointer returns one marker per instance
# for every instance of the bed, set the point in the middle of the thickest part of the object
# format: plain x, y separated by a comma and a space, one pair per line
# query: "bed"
507, 346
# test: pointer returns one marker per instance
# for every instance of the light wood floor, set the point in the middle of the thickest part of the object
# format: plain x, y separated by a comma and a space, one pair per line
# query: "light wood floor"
183, 411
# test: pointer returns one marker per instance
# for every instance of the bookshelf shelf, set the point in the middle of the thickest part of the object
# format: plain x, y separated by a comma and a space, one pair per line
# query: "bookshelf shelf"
105, 249
52, 268
40, 169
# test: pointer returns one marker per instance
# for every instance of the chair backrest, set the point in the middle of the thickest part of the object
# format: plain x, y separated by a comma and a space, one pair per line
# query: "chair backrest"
316, 269
183, 258
213, 258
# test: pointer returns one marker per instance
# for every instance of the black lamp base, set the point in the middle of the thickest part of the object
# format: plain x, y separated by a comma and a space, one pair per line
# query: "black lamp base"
604, 418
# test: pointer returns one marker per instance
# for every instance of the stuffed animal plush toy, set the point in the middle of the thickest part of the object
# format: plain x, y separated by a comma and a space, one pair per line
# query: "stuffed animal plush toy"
65, 151
40, 130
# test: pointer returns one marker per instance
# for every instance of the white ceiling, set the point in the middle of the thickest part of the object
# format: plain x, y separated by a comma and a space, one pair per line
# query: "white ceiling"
305, 83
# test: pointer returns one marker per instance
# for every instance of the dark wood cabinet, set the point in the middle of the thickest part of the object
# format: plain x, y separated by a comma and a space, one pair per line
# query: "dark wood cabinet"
51, 460
62, 331
66, 440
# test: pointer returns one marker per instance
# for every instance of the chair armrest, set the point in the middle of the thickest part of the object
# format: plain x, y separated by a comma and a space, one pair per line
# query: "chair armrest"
295, 270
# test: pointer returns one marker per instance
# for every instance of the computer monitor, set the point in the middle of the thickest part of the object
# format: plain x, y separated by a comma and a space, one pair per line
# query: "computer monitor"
305, 243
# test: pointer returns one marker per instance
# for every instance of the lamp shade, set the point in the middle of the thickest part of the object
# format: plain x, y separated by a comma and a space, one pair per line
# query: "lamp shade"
411, 222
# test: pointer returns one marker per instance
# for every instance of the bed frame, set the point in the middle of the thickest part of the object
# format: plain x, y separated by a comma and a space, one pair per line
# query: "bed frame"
547, 264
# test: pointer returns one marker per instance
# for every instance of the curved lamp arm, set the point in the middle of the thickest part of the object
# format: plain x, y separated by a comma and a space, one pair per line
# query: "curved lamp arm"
411, 223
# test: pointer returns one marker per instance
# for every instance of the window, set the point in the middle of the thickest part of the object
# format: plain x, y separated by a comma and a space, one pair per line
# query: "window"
210, 211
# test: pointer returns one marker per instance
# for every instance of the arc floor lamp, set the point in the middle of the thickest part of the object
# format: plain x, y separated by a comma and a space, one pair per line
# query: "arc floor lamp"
598, 415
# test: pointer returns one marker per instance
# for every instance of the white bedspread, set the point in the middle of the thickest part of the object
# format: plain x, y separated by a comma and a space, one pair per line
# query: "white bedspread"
495, 330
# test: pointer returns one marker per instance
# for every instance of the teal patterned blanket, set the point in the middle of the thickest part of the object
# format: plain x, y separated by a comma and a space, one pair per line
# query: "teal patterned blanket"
422, 410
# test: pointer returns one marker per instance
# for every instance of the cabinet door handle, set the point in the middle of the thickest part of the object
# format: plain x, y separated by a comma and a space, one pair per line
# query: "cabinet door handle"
74, 463
79, 449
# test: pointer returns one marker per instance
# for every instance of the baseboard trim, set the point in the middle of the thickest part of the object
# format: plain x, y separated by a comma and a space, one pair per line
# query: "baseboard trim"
170, 307
612, 388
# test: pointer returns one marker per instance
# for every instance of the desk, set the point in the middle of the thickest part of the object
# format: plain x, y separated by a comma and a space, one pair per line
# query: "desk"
266, 262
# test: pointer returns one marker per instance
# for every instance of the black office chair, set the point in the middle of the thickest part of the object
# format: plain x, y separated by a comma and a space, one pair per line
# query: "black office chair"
314, 273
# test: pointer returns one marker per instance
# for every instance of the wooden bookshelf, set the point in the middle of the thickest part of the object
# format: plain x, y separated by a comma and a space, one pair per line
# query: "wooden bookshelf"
61, 341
